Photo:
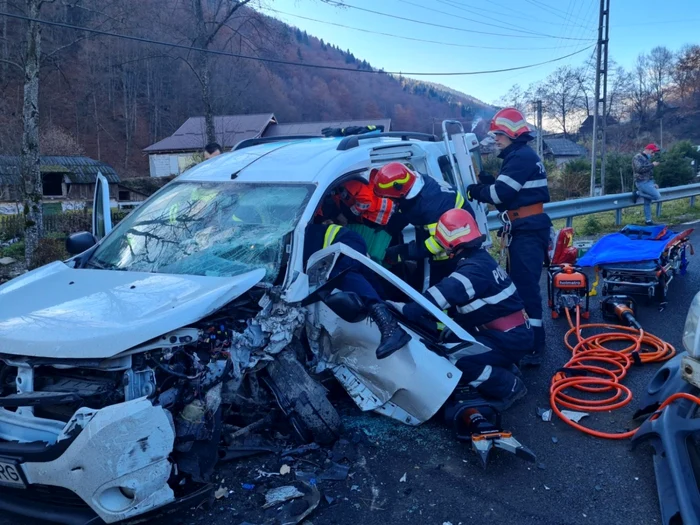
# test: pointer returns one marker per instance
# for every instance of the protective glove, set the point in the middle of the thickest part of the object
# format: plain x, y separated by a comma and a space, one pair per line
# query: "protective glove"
473, 190
401, 253
486, 178
396, 254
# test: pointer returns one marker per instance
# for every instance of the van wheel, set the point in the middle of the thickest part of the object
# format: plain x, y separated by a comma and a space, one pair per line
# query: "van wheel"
302, 399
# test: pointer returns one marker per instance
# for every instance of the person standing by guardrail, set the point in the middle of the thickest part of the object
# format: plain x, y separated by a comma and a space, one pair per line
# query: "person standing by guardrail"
519, 193
643, 168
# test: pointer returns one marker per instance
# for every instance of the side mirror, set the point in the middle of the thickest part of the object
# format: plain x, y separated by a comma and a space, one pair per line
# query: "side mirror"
77, 243
347, 305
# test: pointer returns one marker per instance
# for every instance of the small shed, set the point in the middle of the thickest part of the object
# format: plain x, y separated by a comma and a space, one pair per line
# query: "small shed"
68, 182
562, 150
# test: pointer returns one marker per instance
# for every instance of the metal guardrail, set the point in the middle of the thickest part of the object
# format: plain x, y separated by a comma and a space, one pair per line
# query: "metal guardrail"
617, 202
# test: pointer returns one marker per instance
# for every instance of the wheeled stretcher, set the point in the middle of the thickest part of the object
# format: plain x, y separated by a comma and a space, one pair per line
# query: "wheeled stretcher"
639, 260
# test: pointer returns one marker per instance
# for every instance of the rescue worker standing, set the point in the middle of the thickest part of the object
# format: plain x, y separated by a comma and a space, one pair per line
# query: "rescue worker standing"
519, 192
320, 236
421, 201
482, 299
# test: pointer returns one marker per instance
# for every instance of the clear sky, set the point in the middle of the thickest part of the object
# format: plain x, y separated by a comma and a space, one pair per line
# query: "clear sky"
533, 31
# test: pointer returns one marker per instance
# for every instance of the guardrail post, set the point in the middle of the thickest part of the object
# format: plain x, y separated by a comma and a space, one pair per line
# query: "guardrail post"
618, 217
692, 201
569, 222
658, 209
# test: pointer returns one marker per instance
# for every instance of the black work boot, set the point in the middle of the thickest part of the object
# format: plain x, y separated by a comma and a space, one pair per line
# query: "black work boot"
393, 336
517, 392
531, 360
635, 196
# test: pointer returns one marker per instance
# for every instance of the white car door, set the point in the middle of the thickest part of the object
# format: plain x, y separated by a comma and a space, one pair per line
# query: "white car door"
101, 212
410, 385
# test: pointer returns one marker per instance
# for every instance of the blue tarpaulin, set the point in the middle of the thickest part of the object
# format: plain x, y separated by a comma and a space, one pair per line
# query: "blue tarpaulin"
632, 245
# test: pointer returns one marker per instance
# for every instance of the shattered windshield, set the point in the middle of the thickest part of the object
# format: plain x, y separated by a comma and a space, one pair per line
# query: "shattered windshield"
216, 229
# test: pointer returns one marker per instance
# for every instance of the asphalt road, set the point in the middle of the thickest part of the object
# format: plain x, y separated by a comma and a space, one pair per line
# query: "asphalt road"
578, 478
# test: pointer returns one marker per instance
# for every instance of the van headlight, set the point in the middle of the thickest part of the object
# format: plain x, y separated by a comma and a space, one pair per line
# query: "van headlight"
691, 337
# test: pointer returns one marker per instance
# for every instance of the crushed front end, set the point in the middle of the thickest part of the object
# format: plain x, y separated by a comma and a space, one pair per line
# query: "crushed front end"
105, 440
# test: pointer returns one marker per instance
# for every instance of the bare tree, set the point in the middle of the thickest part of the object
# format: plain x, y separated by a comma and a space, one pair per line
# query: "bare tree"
660, 63
517, 98
32, 188
641, 90
560, 94
208, 24
686, 73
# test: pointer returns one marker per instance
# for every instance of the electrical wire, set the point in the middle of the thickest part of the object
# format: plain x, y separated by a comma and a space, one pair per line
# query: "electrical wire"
422, 22
286, 62
452, 15
402, 37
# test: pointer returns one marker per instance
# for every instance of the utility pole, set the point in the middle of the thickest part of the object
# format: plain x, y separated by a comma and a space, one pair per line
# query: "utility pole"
538, 120
601, 84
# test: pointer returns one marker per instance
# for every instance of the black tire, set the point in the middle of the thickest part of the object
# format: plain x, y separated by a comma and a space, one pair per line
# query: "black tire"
302, 399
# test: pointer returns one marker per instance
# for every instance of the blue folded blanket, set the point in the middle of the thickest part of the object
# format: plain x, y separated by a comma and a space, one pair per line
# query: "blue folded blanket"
629, 246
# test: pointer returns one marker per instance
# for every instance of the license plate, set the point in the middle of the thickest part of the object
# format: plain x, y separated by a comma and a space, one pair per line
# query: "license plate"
10, 475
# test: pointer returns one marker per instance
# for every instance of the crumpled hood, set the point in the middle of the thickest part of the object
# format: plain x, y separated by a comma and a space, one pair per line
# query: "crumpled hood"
60, 312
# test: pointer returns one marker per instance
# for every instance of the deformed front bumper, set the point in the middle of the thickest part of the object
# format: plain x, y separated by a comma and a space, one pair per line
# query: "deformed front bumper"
117, 467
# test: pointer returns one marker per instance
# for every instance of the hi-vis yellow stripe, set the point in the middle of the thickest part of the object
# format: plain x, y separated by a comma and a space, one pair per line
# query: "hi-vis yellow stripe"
385, 185
459, 202
331, 233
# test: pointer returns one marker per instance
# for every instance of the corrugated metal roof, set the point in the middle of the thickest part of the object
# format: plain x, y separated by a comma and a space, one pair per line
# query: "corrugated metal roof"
79, 170
315, 128
230, 130
564, 148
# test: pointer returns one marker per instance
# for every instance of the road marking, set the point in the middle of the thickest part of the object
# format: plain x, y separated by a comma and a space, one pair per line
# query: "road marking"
691, 222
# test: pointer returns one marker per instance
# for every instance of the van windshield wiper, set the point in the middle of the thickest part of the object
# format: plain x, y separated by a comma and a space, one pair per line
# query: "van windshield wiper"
99, 265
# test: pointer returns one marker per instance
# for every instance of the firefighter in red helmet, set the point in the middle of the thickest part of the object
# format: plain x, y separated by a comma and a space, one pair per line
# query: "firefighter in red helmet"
421, 200
482, 299
519, 192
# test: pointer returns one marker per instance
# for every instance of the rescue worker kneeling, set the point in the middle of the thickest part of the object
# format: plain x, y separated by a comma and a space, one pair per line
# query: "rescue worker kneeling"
357, 279
481, 298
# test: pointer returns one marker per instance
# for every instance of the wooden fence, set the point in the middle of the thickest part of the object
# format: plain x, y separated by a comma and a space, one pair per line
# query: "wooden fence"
58, 224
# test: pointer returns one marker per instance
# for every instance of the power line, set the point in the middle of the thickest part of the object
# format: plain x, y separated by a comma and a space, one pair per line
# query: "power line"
283, 62
433, 10
517, 48
396, 17
548, 8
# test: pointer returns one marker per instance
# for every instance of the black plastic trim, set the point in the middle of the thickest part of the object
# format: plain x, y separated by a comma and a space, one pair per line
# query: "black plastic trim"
353, 141
247, 143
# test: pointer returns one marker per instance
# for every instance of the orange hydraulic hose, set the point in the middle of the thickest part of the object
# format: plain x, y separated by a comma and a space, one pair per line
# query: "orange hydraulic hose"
604, 368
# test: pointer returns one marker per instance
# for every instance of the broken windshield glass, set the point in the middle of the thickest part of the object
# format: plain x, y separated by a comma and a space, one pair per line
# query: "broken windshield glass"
207, 228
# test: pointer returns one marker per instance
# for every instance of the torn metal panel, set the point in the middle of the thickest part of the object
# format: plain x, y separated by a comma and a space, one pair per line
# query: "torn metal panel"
414, 379
118, 464
339, 248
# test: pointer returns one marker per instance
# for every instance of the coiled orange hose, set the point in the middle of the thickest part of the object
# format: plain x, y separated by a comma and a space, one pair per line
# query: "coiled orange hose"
603, 369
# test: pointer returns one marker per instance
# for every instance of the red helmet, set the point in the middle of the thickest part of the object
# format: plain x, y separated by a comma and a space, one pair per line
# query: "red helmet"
394, 181
457, 227
510, 122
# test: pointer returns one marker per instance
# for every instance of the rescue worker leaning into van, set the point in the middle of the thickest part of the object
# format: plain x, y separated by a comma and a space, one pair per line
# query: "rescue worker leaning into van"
322, 235
421, 201
519, 192
482, 299
364, 205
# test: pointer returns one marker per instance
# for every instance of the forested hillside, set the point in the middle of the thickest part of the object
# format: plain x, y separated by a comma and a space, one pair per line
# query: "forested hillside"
110, 97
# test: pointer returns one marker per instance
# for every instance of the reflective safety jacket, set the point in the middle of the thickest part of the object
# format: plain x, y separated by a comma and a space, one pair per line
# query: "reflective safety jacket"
363, 203
477, 292
521, 182
320, 236
424, 211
